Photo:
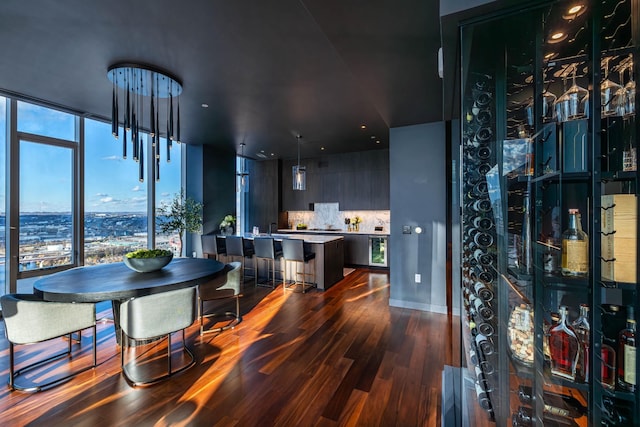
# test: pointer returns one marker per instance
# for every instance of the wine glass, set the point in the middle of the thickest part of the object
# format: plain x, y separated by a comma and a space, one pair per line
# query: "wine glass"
630, 107
571, 101
620, 97
608, 90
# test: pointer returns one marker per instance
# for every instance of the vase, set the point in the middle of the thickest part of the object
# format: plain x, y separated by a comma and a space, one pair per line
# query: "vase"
227, 231
356, 227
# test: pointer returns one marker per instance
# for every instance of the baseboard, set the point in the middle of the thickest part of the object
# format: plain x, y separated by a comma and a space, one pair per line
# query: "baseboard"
442, 309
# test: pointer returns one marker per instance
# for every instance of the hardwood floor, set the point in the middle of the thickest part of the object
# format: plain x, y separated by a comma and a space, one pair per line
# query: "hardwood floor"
339, 357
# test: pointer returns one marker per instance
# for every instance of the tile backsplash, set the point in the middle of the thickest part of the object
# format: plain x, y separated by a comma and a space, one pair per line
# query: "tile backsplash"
329, 216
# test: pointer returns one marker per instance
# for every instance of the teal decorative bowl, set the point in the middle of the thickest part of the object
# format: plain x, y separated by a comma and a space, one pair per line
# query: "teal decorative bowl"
147, 265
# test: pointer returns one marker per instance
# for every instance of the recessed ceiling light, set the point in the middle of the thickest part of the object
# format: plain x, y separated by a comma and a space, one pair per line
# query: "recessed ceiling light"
273, 154
557, 37
574, 11
322, 148
363, 126
262, 151
205, 105
378, 142
373, 137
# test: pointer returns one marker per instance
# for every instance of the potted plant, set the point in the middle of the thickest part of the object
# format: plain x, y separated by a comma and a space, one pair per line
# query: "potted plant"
226, 226
182, 214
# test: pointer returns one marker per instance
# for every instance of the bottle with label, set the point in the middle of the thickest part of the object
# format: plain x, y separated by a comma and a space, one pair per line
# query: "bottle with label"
575, 247
582, 330
526, 256
627, 354
564, 347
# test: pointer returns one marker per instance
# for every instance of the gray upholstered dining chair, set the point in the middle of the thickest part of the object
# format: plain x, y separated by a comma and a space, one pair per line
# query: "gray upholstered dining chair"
213, 246
225, 286
238, 246
29, 319
267, 250
293, 251
155, 316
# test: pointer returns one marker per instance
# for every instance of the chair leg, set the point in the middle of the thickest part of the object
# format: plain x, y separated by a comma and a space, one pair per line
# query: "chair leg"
13, 374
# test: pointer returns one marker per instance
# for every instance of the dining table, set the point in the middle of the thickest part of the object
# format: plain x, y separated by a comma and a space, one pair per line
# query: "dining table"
115, 282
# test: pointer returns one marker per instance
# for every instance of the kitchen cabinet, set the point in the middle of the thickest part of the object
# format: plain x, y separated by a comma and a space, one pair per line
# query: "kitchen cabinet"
549, 131
357, 181
356, 249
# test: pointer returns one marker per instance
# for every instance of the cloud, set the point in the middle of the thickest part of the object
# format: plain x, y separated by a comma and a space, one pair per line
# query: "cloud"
136, 188
106, 199
101, 194
165, 194
112, 158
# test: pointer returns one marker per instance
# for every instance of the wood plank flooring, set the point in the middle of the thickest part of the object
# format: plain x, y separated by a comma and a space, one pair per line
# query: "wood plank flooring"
342, 357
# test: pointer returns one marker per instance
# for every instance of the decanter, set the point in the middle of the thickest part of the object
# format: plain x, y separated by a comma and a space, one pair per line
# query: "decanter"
564, 347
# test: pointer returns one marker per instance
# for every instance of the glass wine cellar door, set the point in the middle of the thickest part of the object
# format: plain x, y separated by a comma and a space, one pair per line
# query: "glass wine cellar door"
549, 207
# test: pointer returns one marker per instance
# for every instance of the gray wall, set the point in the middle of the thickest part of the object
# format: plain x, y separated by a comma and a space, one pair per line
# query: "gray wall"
210, 178
418, 182
264, 201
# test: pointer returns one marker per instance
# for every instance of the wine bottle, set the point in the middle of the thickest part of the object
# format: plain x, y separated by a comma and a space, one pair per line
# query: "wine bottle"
582, 330
564, 347
485, 345
524, 418
484, 400
575, 247
526, 255
627, 354
554, 403
483, 309
482, 291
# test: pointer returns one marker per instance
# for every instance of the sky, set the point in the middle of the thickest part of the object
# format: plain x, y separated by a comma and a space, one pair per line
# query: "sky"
111, 182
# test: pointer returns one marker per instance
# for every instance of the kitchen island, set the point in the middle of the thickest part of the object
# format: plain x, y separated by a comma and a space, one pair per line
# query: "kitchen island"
329, 250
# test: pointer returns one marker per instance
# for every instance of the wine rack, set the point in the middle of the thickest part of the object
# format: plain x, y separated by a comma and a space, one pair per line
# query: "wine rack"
549, 201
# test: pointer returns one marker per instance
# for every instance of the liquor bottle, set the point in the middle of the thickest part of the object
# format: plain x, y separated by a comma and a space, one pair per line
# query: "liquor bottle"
615, 412
564, 347
554, 403
627, 354
582, 330
608, 371
575, 247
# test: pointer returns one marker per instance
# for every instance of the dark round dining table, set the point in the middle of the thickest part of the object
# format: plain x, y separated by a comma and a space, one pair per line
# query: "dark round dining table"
116, 282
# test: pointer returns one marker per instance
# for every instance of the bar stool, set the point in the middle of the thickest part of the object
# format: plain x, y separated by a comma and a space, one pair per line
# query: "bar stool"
266, 250
213, 246
238, 246
293, 251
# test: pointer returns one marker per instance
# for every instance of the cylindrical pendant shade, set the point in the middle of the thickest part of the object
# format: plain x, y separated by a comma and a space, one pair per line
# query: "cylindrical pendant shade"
299, 177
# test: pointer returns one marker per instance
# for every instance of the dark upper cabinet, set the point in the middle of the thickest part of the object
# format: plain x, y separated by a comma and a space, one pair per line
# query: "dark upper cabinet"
354, 180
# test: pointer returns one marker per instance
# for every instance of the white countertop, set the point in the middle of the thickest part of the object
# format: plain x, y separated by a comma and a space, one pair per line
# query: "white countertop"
340, 232
309, 238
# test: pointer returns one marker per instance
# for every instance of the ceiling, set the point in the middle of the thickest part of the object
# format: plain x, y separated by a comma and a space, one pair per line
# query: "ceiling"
267, 69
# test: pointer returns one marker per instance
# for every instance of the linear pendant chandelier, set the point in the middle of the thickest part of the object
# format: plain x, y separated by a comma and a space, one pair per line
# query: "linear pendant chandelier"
299, 172
147, 98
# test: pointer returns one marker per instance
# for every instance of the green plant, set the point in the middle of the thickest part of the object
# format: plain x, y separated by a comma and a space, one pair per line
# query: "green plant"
182, 214
148, 253
228, 221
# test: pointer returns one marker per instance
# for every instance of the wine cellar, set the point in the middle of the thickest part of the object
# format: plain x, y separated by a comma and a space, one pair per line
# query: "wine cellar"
549, 224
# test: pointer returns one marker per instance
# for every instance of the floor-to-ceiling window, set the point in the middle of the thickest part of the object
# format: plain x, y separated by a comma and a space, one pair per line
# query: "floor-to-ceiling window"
168, 187
46, 150
115, 200
60, 216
